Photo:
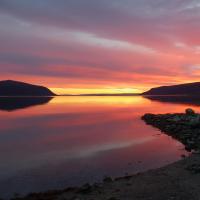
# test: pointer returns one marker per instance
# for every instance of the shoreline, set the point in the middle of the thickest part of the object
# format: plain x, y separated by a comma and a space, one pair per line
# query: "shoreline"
177, 181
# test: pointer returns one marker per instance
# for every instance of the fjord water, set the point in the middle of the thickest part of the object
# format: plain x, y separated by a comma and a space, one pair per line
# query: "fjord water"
66, 141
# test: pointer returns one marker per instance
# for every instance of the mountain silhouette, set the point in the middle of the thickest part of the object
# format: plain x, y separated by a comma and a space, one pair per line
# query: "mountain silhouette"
16, 88
15, 103
182, 89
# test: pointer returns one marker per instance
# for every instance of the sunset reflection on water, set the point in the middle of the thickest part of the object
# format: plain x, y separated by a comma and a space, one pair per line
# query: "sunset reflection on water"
74, 140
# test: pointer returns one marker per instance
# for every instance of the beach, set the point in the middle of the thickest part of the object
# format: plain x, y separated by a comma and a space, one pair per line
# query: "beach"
173, 182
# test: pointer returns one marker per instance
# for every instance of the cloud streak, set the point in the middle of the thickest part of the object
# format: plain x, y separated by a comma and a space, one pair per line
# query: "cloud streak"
130, 43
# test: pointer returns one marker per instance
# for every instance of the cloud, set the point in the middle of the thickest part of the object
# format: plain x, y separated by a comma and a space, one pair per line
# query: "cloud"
100, 42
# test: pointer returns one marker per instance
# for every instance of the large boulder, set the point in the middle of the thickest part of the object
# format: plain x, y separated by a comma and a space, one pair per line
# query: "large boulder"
189, 111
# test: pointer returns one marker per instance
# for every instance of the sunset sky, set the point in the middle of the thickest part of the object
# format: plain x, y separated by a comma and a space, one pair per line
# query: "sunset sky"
100, 46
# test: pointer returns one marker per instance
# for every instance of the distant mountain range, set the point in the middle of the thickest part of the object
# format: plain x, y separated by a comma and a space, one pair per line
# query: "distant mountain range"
182, 89
16, 88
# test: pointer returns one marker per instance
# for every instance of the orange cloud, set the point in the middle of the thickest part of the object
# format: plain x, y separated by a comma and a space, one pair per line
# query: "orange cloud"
135, 48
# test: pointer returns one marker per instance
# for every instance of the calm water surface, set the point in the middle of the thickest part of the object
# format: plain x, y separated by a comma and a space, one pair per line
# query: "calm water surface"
64, 141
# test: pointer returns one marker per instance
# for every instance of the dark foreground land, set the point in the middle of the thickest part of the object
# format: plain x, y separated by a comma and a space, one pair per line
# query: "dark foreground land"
178, 181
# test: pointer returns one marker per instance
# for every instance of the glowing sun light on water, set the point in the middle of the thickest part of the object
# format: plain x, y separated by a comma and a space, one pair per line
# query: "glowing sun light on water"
77, 91
95, 101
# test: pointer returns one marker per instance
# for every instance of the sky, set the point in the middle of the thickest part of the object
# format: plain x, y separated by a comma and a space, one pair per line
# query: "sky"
93, 46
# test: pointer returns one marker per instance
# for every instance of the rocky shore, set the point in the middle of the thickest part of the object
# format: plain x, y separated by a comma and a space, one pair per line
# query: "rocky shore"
178, 181
184, 127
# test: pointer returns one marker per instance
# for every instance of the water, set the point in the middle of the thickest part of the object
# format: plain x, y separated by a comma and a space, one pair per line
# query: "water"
54, 143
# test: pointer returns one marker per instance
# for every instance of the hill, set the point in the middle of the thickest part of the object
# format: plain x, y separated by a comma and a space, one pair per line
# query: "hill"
182, 89
16, 88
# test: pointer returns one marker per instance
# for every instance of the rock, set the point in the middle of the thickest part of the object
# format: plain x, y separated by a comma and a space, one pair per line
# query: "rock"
195, 168
85, 189
189, 111
175, 119
107, 179
184, 127
112, 198
194, 121
196, 152
187, 148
